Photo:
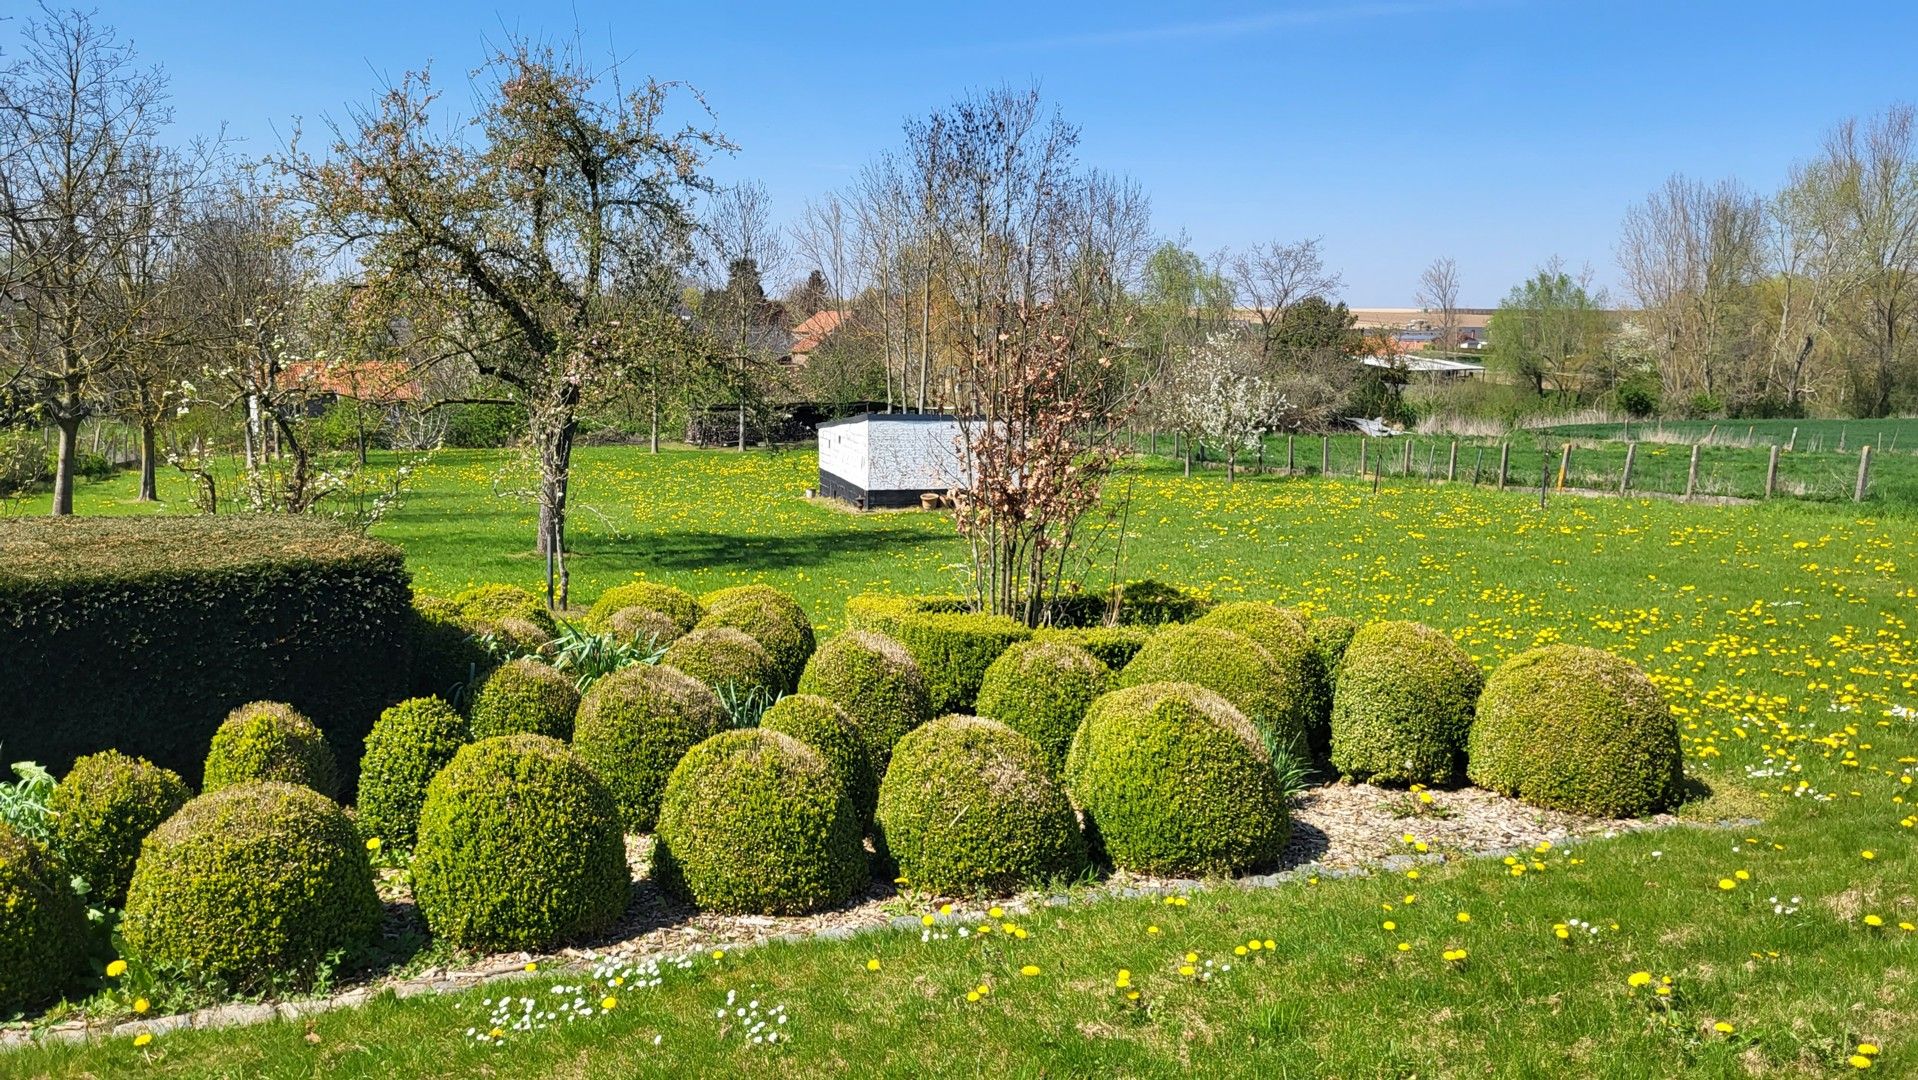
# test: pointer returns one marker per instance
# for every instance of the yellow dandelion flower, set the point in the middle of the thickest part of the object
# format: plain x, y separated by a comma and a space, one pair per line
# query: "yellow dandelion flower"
1389, 925
608, 1002
719, 954
532, 965
1464, 916
1859, 1061
1029, 970
1722, 1028
372, 843
116, 969
1187, 969
927, 920
1639, 978
996, 913
141, 1005
1727, 884
873, 964
1874, 920
143, 1038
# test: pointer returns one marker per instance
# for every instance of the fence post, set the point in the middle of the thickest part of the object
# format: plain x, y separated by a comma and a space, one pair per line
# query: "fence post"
1864, 473
1771, 471
1564, 464
1793, 443
1504, 458
1544, 480
1691, 473
1477, 463
1325, 455
1288, 455
1363, 443
1451, 463
1625, 478
1405, 466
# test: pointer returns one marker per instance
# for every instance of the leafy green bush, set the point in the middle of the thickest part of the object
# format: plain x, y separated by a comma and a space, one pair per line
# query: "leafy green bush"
25, 464
142, 633
1115, 646
877, 682
105, 805
251, 885
721, 657
269, 740
1285, 637
1174, 780
644, 626
1403, 705
485, 426
970, 807
1571, 728
1139, 603
676, 604
953, 648
409, 744
43, 938
1278, 700
487, 607
1042, 689
756, 822
633, 727
825, 727
448, 658
526, 697
769, 617
1330, 635
519, 847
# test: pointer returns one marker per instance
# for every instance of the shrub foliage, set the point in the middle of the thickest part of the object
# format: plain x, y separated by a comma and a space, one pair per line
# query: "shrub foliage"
969, 807
825, 727
1403, 705
633, 727
726, 659
104, 807
770, 617
877, 682
1042, 690
524, 697
1276, 698
953, 647
409, 744
756, 822
676, 604
270, 740
42, 940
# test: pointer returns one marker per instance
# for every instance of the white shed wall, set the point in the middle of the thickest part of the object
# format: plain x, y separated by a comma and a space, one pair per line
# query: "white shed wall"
913, 455
842, 452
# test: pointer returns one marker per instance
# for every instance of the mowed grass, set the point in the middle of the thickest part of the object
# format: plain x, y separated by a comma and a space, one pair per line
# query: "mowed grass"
1779, 633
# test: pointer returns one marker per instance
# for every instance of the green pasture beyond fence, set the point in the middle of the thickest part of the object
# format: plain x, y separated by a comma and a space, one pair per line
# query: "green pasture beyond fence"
1592, 464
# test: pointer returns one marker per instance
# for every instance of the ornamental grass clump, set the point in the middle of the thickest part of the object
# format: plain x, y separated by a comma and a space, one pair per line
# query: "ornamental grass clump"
727, 660
409, 744
674, 603
101, 811
1173, 780
43, 933
633, 727
825, 727
270, 740
1277, 699
254, 886
524, 697
519, 847
969, 807
877, 682
1571, 728
1403, 705
768, 616
1042, 690
757, 822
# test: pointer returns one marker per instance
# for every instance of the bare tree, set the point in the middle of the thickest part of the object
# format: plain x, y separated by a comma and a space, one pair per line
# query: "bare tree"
1875, 169
1271, 277
542, 252
1815, 262
1438, 294
79, 120
743, 248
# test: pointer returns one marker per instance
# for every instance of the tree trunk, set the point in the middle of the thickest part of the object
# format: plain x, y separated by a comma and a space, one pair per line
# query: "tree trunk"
63, 467
149, 488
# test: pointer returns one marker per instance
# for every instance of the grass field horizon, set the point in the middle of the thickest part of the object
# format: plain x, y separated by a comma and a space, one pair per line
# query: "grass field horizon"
1780, 634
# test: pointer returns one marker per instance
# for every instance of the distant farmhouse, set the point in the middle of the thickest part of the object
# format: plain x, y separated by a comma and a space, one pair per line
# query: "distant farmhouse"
1417, 328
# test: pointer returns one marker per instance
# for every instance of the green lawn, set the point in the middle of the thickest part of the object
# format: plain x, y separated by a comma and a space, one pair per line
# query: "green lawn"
1780, 633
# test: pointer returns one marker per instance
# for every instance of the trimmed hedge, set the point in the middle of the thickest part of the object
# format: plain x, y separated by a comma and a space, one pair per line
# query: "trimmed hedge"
1042, 690
509, 611
1175, 781
633, 727
142, 633
1403, 705
409, 744
726, 660
447, 656
825, 727
103, 807
756, 822
519, 847
1330, 635
952, 647
1115, 646
253, 886
1571, 728
1277, 699
270, 740
524, 697
676, 604
644, 626
43, 939
769, 617
877, 682
969, 807
1286, 637
1144, 603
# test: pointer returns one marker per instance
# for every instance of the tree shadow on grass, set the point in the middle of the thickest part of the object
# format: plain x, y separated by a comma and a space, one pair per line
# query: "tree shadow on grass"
683, 550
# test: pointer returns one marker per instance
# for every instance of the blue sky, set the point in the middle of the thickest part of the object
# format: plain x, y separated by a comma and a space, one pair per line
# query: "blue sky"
1500, 132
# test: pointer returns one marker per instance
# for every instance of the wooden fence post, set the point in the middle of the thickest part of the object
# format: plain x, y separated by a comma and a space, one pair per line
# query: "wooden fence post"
1625, 478
1691, 473
1405, 466
1564, 464
1325, 455
1477, 463
1864, 473
1288, 455
1793, 443
1363, 443
1771, 471
1504, 458
1451, 463
1544, 480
